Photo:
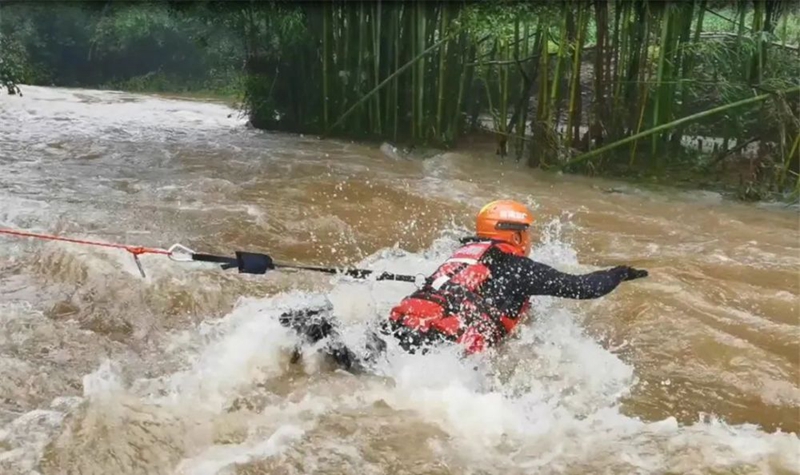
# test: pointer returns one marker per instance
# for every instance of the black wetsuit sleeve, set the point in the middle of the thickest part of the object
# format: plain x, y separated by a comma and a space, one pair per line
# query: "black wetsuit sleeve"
535, 278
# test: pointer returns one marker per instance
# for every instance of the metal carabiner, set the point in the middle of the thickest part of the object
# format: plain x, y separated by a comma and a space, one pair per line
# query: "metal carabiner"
180, 253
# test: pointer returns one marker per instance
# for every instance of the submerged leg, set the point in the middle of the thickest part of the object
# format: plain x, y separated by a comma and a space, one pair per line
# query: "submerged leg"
308, 323
314, 325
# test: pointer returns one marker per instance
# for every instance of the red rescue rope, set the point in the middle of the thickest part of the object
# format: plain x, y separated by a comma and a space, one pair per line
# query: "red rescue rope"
135, 250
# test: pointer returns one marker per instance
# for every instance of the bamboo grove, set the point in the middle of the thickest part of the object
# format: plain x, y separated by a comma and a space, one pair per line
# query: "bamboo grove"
608, 86
555, 81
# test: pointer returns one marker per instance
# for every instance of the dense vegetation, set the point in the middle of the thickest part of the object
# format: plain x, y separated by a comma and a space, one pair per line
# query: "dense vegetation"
140, 46
593, 86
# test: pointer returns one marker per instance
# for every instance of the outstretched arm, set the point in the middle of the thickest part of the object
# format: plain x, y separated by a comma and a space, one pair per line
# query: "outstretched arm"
541, 279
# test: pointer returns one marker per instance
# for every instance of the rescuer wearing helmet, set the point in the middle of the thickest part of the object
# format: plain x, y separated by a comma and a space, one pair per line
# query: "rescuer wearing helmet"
478, 295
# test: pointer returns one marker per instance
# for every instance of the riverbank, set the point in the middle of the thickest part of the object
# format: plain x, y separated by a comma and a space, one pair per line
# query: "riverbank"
230, 99
731, 177
230, 96
729, 181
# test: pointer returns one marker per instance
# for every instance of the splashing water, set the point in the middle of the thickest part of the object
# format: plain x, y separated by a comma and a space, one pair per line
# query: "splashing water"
557, 410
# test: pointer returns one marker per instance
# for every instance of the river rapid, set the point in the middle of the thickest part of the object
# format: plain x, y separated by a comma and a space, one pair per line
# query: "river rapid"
187, 371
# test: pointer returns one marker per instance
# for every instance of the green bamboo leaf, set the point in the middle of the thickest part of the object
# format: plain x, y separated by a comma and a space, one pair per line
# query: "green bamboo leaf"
670, 125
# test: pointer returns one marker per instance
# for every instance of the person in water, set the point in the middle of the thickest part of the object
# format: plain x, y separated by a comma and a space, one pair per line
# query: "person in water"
476, 298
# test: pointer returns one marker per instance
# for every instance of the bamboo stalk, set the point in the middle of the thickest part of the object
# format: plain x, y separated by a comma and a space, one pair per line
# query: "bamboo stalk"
454, 68
543, 109
742, 6
360, 74
339, 60
685, 120
722, 34
787, 161
413, 22
661, 71
467, 71
325, 53
377, 62
523, 103
797, 185
345, 50
503, 88
386, 48
442, 53
685, 15
421, 76
612, 50
742, 12
542, 102
757, 61
601, 26
575, 77
645, 70
397, 72
556, 88
487, 88
522, 115
785, 29
689, 61
379, 22
621, 65
643, 106
700, 17
395, 104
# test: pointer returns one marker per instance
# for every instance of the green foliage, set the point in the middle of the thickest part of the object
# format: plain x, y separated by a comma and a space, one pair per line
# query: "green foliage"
131, 24
719, 77
13, 63
498, 18
142, 46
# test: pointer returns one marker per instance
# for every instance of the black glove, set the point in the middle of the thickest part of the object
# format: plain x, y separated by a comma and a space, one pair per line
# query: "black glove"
628, 273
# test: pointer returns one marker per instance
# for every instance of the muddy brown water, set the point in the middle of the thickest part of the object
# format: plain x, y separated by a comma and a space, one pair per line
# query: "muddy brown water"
692, 370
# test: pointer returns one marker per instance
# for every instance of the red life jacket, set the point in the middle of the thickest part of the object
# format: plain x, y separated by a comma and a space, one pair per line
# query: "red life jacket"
450, 305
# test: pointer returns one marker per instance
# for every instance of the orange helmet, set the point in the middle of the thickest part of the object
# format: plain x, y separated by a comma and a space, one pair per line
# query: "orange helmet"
508, 221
